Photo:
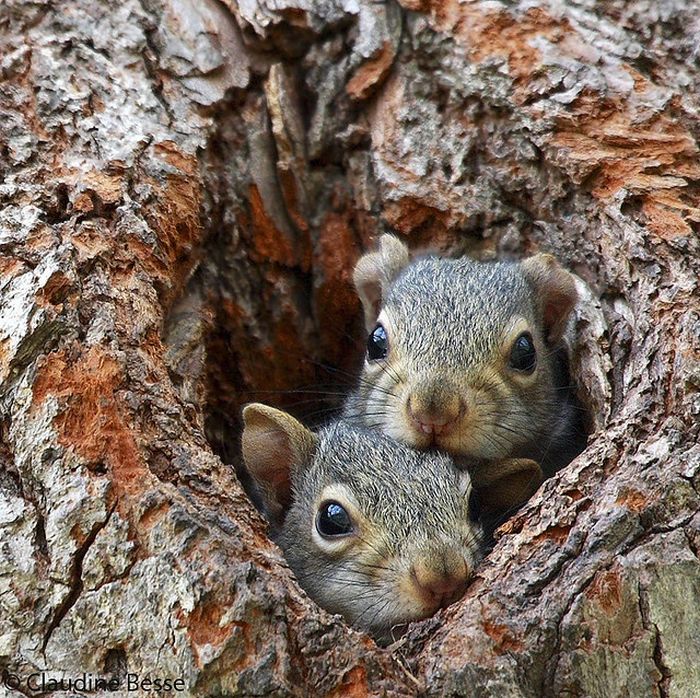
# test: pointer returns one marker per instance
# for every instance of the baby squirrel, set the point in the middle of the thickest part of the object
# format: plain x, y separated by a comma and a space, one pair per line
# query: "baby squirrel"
466, 356
373, 530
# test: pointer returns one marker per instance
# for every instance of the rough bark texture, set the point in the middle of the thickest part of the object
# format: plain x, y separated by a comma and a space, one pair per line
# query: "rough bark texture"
185, 188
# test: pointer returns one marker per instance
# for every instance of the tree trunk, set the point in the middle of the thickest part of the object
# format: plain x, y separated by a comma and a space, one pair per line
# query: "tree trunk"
185, 189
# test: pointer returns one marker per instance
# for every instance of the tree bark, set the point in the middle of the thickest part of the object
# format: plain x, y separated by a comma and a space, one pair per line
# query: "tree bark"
185, 189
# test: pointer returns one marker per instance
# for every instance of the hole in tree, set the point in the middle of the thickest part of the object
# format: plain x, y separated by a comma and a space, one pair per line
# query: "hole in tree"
271, 315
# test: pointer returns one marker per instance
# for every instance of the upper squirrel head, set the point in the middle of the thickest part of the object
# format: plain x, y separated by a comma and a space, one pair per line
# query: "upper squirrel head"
373, 530
459, 351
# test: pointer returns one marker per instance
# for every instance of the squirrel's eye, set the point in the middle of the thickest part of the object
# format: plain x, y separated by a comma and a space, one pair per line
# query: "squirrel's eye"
377, 344
333, 520
523, 356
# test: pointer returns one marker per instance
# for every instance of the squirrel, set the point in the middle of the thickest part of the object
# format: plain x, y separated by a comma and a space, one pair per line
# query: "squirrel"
467, 356
373, 530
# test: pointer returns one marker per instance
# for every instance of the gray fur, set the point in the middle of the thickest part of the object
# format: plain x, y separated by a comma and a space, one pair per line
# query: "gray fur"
448, 320
411, 493
413, 502
453, 309
413, 545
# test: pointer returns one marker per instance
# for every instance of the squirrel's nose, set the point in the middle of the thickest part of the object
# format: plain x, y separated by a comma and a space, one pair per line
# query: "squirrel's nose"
434, 409
440, 576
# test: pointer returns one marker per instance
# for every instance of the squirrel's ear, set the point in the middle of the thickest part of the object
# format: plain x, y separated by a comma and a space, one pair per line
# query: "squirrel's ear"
275, 446
556, 290
375, 272
506, 484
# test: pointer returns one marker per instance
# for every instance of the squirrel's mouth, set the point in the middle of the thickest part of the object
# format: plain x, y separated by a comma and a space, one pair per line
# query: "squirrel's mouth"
420, 438
432, 421
432, 429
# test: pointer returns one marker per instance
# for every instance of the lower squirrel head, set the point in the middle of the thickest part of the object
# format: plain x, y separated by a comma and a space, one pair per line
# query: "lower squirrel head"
460, 353
373, 530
